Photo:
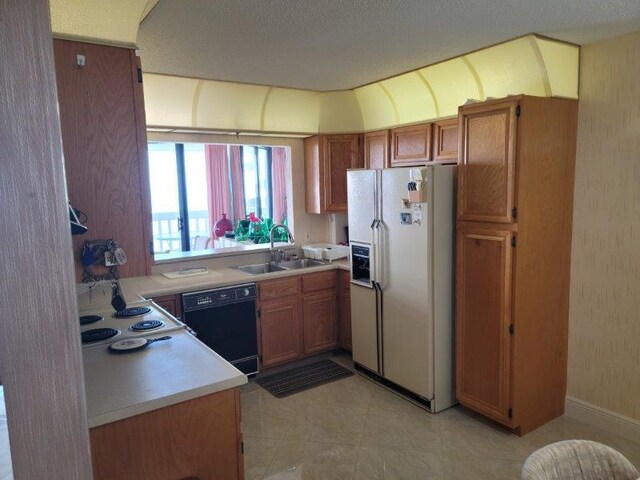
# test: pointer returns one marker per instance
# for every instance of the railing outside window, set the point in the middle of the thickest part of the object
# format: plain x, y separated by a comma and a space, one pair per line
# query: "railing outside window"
166, 234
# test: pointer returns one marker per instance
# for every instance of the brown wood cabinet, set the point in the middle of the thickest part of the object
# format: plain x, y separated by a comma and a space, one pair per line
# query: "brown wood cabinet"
411, 145
301, 319
327, 159
376, 149
281, 331
445, 141
484, 319
105, 148
344, 297
515, 195
319, 316
487, 157
199, 438
171, 303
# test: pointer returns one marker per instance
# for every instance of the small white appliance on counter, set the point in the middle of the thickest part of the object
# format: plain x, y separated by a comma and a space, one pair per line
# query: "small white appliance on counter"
401, 228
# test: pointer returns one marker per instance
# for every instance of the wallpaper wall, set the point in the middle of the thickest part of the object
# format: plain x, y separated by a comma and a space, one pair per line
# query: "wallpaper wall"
604, 335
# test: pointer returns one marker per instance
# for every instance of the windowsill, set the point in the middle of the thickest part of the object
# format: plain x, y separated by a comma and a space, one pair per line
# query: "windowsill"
174, 257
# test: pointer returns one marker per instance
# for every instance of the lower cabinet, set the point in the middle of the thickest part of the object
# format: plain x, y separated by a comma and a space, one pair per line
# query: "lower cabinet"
483, 321
280, 331
298, 317
319, 322
171, 303
197, 439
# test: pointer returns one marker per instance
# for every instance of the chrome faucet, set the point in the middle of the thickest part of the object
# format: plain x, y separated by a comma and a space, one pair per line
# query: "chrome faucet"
277, 256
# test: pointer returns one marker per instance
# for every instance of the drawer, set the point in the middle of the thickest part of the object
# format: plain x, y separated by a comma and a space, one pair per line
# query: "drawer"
318, 281
285, 287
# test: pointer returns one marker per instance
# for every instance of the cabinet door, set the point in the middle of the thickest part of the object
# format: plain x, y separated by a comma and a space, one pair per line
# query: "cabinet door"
483, 317
486, 169
103, 154
280, 331
340, 153
171, 303
445, 140
320, 322
376, 149
411, 145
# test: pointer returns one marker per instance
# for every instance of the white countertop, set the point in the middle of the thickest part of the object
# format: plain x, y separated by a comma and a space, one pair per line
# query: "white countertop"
119, 386
135, 288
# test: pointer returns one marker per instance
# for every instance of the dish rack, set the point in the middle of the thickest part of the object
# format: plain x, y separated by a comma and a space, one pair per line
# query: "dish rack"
325, 251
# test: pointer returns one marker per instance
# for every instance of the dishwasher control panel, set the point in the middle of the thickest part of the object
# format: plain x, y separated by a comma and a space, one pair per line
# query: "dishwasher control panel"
219, 296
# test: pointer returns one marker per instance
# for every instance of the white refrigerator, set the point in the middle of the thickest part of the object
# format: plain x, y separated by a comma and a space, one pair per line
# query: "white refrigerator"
401, 231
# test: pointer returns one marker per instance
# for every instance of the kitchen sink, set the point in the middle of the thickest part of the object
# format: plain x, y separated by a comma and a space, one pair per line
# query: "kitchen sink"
259, 268
300, 263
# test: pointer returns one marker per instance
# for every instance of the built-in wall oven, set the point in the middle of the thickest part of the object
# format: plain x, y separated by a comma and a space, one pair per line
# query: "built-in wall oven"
225, 320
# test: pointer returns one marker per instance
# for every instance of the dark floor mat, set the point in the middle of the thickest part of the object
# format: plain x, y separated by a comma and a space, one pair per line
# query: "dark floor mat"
303, 378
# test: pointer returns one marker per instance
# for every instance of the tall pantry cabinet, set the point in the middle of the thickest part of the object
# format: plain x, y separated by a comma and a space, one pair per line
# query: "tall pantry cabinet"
515, 201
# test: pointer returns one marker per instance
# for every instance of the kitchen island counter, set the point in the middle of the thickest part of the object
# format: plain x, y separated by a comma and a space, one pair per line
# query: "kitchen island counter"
120, 386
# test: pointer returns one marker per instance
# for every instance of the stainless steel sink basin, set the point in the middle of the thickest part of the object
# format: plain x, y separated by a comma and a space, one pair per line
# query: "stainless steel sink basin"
259, 268
300, 263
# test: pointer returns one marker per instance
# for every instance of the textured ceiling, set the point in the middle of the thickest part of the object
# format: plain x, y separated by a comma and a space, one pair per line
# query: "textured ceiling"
340, 44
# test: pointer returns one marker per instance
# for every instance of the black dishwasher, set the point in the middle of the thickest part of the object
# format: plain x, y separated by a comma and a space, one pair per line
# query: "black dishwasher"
224, 319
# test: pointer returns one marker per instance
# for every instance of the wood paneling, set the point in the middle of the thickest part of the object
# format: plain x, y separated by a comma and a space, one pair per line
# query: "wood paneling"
486, 170
275, 289
198, 438
40, 359
319, 281
445, 141
546, 162
281, 331
340, 153
320, 322
376, 149
411, 145
483, 317
104, 145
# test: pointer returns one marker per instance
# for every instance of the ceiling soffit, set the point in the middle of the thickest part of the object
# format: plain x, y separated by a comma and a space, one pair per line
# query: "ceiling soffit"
528, 65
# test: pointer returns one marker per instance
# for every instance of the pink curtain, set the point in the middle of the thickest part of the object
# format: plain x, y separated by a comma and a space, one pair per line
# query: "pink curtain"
279, 181
237, 184
217, 183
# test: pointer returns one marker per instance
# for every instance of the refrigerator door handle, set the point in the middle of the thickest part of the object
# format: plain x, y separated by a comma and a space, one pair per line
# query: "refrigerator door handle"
379, 328
380, 258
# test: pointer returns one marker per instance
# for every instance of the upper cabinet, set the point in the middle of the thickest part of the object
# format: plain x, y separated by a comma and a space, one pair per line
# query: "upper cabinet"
376, 149
486, 172
105, 147
411, 145
327, 159
445, 141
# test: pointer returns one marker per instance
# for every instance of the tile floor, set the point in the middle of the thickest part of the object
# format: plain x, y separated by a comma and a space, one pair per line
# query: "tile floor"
355, 429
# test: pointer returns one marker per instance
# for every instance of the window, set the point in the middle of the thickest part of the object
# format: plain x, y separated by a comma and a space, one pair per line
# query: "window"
194, 187
256, 167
